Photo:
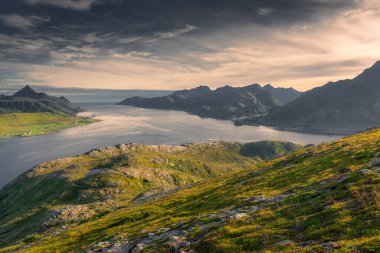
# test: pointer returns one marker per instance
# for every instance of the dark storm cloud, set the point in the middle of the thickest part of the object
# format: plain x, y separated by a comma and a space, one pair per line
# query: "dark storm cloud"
46, 31
122, 25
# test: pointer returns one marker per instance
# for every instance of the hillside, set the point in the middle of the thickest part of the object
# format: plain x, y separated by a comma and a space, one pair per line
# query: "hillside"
223, 103
320, 199
347, 104
81, 189
29, 101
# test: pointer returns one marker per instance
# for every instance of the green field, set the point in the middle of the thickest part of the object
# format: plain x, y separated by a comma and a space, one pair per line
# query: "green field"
30, 124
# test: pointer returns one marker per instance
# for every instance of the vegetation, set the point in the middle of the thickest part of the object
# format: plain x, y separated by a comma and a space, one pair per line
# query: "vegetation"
319, 199
29, 124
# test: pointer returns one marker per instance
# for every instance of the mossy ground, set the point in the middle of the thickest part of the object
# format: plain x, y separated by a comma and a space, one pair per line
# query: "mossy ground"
330, 204
30, 124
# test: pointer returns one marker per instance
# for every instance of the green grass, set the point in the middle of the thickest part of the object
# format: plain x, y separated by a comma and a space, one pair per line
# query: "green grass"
326, 205
30, 124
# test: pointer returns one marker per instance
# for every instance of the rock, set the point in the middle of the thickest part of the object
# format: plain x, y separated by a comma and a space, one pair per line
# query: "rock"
178, 242
375, 161
239, 216
330, 245
284, 243
69, 214
101, 245
257, 199
345, 170
365, 171
139, 247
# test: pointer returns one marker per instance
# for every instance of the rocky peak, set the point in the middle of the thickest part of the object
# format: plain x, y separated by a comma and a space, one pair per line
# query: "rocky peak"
27, 91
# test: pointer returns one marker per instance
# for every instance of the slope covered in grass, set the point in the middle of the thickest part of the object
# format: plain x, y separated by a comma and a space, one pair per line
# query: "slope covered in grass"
78, 189
321, 199
29, 124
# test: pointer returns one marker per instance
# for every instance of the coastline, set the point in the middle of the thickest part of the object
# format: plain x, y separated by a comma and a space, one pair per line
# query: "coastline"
14, 125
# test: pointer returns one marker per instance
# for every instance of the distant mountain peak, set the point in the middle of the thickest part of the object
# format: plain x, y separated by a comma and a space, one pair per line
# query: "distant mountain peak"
28, 100
203, 87
27, 91
268, 86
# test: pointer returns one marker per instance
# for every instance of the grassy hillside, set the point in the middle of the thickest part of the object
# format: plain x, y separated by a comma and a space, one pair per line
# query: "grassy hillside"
321, 199
29, 124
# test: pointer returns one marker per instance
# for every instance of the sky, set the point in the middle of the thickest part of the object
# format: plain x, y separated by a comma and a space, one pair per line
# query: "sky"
175, 44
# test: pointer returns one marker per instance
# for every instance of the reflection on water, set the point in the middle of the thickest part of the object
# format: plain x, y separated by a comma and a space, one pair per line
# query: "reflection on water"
122, 124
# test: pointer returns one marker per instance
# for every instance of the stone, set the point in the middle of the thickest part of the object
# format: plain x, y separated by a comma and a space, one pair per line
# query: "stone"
345, 170
284, 243
139, 247
239, 216
365, 171
375, 161
330, 245
101, 245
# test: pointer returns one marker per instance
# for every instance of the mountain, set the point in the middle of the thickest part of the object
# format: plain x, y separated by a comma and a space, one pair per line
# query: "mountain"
223, 103
283, 95
28, 100
352, 104
198, 198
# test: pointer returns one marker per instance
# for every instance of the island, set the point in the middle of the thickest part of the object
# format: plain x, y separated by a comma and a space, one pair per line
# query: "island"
29, 113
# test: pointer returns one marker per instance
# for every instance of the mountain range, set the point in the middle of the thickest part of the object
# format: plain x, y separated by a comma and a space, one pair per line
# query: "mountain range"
352, 104
349, 105
27, 100
283, 95
223, 103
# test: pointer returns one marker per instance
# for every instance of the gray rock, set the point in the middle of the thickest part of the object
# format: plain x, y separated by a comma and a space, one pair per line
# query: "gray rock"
239, 216
284, 243
375, 161
365, 171
330, 245
139, 247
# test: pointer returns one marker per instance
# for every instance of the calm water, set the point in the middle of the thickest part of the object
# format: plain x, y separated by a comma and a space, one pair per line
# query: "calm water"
122, 124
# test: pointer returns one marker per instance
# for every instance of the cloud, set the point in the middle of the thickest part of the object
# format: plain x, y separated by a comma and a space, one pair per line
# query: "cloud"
176, 33
264, 11
301, 43
21, 22
67, 4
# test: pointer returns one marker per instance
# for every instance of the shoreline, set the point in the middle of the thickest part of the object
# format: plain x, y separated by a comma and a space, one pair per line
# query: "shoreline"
15, 125
324, 131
